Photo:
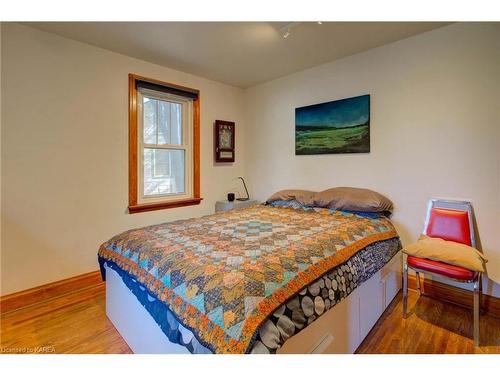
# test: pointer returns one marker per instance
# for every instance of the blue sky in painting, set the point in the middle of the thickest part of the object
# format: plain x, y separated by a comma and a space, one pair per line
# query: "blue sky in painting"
339, 114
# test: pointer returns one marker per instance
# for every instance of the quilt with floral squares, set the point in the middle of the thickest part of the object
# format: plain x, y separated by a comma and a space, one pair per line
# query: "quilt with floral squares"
223, 275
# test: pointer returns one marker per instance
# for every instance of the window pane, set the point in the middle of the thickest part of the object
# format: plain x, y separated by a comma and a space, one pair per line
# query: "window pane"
163, 171
170, 123
149, 109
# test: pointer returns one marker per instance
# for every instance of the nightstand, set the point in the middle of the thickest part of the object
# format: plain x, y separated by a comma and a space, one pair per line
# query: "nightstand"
226, 205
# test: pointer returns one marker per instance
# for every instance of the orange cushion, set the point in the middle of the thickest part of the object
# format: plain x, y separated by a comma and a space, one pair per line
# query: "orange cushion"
448, 252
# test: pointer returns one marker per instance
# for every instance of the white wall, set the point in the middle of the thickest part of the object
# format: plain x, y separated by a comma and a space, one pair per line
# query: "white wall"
435, 128
0, 151
497, 273
435, 132
65, 153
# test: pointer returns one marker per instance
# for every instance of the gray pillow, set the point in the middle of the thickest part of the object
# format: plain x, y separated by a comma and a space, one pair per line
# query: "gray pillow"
304, 197
352, 199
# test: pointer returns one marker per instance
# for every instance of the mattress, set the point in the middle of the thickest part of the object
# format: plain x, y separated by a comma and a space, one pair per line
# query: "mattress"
244, 281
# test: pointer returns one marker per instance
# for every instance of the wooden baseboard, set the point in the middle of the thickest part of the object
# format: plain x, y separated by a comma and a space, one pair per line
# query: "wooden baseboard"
431, 288
452, 294
42, 293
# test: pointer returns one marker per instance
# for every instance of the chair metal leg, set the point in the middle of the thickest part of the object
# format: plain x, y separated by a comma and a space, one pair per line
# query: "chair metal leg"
418, 283
405, 289
480, 293
476, 310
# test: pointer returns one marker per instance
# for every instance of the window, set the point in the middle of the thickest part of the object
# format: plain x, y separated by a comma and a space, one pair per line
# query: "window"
163, 145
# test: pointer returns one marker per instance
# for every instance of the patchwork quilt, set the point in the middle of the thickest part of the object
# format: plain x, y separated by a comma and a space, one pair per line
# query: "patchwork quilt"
224, 277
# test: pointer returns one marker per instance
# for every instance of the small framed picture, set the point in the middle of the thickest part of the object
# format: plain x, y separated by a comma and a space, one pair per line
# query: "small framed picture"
224, 141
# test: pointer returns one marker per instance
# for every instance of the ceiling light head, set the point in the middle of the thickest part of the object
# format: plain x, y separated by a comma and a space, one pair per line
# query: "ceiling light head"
286, 30
320, 23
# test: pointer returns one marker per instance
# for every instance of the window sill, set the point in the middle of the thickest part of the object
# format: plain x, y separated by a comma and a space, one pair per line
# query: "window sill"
132, 209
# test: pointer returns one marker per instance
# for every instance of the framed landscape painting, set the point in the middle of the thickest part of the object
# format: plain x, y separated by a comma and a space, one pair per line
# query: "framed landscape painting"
337, 127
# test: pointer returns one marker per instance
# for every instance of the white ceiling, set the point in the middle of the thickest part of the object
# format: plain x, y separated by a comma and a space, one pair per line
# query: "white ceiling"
241, 54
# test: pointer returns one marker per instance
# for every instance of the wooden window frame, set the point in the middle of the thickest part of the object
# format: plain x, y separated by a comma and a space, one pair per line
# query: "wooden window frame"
134, 206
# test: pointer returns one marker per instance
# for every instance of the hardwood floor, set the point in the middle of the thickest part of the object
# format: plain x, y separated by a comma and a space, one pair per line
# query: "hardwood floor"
77, 323
432, 327
73, 323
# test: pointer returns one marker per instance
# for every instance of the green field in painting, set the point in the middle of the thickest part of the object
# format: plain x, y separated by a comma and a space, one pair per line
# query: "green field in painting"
324, 140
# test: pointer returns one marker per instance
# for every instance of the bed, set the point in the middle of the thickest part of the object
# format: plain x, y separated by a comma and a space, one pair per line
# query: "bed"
275, 278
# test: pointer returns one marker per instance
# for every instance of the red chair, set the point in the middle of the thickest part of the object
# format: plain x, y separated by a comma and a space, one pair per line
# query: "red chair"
451, 221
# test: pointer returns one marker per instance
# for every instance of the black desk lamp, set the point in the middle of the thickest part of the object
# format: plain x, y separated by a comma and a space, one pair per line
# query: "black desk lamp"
245, 186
